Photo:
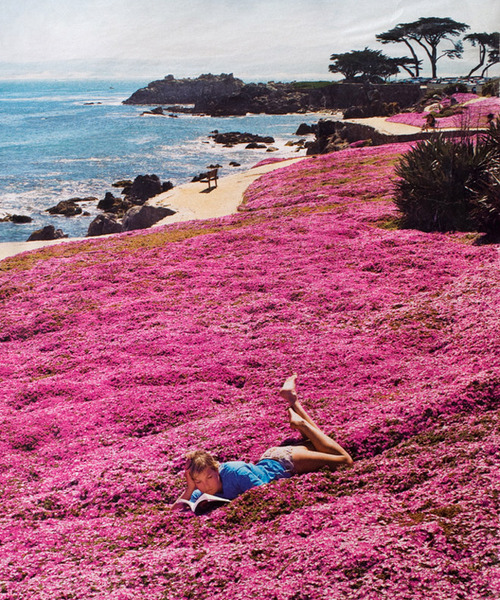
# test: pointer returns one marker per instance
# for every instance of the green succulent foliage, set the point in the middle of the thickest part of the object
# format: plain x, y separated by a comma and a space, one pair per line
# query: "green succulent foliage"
451, 185
487, 210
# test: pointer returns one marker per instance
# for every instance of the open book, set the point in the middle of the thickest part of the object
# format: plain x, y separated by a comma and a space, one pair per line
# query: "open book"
205, 503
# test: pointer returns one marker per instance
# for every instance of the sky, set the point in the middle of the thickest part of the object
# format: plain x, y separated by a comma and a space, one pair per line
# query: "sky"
257, 40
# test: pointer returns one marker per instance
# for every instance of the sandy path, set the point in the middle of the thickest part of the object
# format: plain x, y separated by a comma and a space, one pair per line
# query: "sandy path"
387, 127
191, 201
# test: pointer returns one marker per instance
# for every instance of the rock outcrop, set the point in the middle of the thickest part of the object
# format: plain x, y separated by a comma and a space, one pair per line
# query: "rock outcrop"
144, 187
130, 212
156, 111
16, 219
49, 232
104, 224
231, 138
142, 217
186, 91
114, 205
270, 98
224, 95
68, 208
304, 129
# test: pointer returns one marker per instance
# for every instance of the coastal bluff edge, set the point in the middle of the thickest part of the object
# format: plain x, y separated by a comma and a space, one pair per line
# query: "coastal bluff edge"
226, 95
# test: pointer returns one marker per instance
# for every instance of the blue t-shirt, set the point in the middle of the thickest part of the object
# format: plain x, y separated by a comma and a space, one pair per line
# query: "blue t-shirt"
238, 477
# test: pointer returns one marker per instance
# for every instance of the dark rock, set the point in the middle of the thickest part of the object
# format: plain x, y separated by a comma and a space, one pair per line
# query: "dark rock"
199, 177
235, 137
179, 109
374, 109
21, 219
270, 98
186, 91
142, 217
166, 186
233, 163
304, 129
16, 219
335, 135
156, 111
49, 232
312, 148
112, 204
354, 112
254, 146
144, 187
68, 208
223, 95
122, 183
104, 225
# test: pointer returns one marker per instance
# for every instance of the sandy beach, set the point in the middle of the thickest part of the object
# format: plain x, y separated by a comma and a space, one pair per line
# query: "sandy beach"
191, 201
384, 126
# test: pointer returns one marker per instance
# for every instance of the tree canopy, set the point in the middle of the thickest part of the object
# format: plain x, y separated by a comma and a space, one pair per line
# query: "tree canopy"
399, 34
488, 45
367, 64
428, 33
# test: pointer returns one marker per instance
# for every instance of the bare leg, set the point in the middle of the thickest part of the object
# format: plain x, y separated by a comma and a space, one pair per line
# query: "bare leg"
327, 452
288, 392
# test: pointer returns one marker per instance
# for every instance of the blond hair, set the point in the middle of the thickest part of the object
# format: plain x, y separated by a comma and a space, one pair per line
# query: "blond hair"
199, 460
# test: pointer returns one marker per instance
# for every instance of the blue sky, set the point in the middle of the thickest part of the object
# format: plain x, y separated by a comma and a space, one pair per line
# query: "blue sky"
257, 40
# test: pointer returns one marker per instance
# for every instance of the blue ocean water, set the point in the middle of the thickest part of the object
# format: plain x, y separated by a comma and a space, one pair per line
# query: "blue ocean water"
61, 139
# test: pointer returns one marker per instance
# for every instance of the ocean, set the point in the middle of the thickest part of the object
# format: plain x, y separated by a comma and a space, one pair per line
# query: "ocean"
64, 139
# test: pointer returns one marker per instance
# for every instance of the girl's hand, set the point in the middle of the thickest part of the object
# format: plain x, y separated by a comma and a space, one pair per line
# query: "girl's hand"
191, 486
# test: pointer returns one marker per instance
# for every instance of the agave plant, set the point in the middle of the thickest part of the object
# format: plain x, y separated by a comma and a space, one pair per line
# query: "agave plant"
451, 185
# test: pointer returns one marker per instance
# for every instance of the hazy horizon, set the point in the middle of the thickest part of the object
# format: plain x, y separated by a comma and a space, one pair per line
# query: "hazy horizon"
256, 40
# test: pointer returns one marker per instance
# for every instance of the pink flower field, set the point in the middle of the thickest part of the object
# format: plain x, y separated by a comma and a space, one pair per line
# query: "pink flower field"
121, 354
473, 113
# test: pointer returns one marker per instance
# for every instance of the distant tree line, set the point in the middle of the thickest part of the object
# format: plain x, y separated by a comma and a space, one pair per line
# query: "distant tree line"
428, 34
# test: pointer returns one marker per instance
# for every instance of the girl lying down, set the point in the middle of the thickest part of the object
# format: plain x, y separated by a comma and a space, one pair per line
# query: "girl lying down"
204, 475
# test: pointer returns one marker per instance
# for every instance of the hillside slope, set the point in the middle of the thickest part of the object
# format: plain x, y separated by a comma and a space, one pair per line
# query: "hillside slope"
118, 355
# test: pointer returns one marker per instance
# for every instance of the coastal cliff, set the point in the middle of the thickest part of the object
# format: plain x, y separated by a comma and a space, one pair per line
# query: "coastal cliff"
225, 95
186, 91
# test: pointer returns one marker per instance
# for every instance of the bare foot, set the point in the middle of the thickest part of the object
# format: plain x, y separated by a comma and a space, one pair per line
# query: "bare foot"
296, 422
288, 391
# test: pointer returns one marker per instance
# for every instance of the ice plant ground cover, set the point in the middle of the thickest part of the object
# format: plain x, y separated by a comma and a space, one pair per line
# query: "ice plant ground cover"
473, 113
119, 355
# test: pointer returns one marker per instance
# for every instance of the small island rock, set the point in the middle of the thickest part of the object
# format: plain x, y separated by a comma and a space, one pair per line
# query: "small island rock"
68, 208
49, 232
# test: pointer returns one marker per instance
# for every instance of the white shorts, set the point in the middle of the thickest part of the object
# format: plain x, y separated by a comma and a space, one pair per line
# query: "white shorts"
282, 455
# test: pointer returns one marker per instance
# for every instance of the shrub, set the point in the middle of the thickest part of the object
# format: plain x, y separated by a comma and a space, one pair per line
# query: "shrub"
455, 88
451, 185
490, 88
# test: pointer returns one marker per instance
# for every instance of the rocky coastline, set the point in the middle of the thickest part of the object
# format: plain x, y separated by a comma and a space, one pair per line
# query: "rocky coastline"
226, 95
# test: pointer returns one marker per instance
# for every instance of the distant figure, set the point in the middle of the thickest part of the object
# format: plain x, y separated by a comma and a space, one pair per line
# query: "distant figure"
204, 475
430, 122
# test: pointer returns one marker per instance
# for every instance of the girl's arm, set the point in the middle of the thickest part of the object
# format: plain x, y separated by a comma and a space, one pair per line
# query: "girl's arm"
187, 493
